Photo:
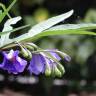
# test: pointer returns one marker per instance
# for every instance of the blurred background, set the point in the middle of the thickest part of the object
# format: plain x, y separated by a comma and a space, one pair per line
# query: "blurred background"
80, 76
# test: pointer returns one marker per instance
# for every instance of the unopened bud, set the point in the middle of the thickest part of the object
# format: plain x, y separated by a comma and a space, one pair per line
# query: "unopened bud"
33, 45
57, 72
67, 58
30, 47
48, 70
61, 68
24, 52
64, 55
53, 72
29, 54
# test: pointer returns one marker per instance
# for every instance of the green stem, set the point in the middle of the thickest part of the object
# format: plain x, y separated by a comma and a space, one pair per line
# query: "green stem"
7, 10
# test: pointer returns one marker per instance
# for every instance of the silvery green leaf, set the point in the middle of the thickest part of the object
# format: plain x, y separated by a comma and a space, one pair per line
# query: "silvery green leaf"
68, 29
59, 30
74, 26
48, 23
79, 29
7, 27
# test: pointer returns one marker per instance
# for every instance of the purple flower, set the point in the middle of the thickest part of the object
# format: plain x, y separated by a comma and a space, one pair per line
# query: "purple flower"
37, 64
39, 61
12, 62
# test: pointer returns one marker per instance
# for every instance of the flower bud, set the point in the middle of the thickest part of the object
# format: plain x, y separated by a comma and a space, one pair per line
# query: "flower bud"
48, 70
57, 72
29, 54
53, 72
33, 45
30, 47
61, 68
24, 52
64, 55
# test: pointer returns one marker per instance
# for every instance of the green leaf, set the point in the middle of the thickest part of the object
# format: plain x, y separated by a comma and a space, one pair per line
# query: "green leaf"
48, 23
6, 10
79, 29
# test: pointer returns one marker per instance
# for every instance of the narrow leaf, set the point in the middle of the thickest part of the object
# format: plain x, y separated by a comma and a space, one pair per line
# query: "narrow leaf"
48, 23
80, 29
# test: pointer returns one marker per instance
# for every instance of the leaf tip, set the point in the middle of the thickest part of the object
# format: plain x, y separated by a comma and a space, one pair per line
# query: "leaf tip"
71, 12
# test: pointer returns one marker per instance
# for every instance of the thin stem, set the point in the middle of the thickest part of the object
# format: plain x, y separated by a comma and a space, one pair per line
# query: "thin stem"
7, 10
4, 8
11, 45
57, 51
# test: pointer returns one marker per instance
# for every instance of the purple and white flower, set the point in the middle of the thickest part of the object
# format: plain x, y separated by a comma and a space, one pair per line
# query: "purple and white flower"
12, 62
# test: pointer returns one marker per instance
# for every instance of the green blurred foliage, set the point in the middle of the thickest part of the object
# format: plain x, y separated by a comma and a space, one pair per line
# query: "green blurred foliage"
90, 16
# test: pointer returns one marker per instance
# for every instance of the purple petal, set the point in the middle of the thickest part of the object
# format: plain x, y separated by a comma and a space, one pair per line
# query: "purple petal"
37, 64
12, 62
55, 55
21, 64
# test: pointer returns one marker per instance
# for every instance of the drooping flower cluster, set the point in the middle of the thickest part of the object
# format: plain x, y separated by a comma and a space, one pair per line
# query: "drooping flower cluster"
41, 61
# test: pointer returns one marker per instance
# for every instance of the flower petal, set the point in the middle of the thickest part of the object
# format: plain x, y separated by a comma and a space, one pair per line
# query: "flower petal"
55, 55
12, 62
37, 64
